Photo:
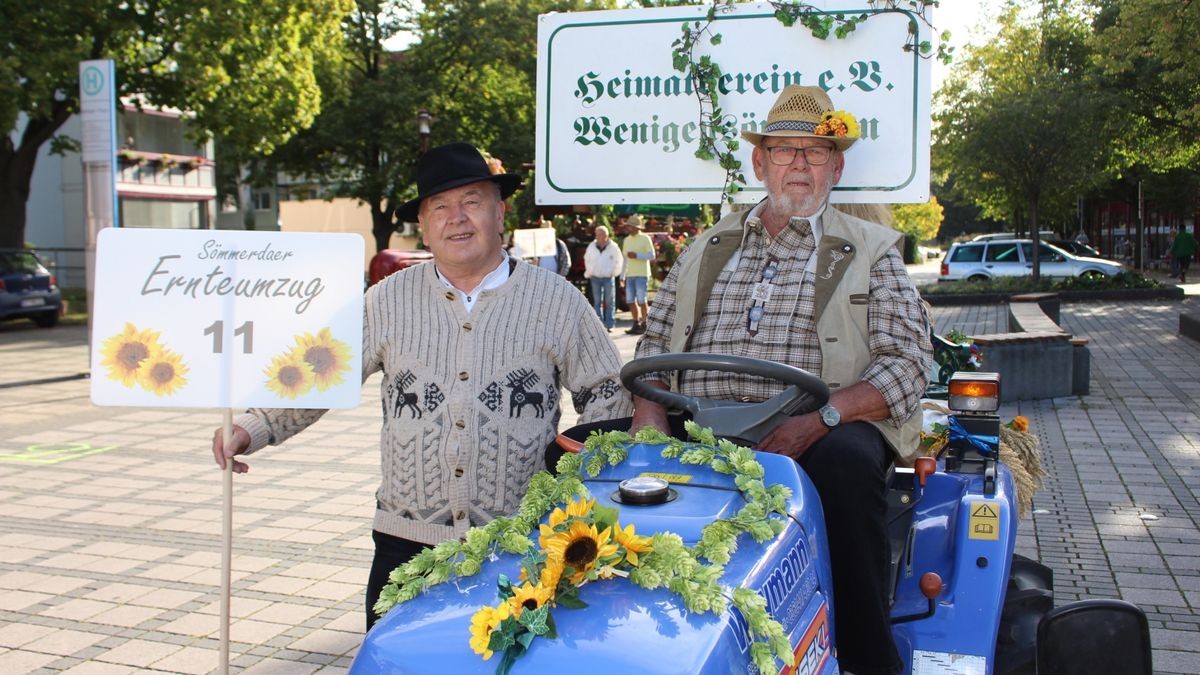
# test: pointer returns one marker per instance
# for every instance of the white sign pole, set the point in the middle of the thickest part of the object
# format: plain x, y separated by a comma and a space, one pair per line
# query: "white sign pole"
97, 107
226, 541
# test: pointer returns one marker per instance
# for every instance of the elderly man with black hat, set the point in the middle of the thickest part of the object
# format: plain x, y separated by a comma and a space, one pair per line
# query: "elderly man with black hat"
474, 349
795, 281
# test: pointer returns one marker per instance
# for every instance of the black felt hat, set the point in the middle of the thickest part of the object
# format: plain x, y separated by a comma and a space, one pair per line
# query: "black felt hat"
449, 166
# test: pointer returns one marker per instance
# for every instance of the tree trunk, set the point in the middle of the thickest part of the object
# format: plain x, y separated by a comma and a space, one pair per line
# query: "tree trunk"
1035, 230
381, 225
16, 172
12, 209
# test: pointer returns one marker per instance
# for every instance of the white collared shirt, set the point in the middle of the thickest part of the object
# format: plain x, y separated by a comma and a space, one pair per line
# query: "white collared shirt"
494, 279
815, 221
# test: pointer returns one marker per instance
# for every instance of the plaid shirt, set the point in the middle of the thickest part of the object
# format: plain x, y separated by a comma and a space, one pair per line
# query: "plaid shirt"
787, 333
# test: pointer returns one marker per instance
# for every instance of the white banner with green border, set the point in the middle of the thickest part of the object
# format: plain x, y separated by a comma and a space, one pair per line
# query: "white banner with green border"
617, 124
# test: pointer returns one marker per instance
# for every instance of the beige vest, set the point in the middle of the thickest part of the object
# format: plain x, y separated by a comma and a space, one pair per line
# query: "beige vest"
849, 247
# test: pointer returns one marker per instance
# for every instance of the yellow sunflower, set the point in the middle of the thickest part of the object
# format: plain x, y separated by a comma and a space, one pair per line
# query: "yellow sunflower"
838, 123
632, 543
528, 596
579, 508
485, 621
329, 358
125, 351
162, 373
550, 575
580, 548
289, 376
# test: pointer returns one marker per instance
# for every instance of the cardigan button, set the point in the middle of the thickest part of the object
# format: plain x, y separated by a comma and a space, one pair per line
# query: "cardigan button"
463, 376
460, 515
467, 326
460, 424
449, 295
687, 331
458, 472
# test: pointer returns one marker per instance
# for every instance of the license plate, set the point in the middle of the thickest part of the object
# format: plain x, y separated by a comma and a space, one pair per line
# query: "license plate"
33, 302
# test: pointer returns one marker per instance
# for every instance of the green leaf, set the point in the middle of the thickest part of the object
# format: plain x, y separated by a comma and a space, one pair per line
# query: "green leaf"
505, 635
536, 620
570, 598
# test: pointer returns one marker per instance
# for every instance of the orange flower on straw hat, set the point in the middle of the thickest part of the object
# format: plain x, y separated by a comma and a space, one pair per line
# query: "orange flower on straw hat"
807, 112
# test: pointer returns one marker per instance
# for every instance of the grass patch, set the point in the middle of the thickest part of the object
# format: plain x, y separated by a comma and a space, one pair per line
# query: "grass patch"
76, 300
1026, 285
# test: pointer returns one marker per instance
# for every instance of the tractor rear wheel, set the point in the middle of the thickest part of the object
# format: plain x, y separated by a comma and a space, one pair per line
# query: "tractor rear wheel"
1029, 597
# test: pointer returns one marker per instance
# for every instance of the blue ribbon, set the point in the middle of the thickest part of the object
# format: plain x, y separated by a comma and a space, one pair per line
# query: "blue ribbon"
988, 446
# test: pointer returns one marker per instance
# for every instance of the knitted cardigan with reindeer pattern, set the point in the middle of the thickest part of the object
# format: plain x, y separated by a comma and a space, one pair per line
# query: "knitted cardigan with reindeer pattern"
470, 401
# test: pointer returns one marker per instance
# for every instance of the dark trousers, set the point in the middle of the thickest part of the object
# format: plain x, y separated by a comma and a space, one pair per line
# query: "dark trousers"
849, 469
390, 553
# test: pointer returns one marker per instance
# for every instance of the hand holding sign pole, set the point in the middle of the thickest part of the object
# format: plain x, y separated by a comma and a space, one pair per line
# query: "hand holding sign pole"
225, 319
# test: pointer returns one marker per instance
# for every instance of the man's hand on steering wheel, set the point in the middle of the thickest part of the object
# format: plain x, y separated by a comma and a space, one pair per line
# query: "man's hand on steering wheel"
648, 413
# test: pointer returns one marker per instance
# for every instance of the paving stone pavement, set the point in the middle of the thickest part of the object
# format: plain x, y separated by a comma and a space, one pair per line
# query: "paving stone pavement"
109, 550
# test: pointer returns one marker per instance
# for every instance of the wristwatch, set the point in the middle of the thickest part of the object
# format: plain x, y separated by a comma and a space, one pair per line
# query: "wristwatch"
830, 416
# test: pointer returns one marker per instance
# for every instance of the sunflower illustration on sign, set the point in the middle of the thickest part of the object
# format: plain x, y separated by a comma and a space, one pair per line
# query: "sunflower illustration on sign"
135, 358
329, 358
162, 373
124, 352
289, 375
316, 361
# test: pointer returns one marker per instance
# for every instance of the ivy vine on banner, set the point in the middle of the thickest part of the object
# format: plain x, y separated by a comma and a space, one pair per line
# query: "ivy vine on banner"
718, 130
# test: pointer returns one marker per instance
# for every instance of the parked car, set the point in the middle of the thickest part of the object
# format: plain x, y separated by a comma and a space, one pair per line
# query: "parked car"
1044, 235
981, 260
1075, 248
391, 260
27, 289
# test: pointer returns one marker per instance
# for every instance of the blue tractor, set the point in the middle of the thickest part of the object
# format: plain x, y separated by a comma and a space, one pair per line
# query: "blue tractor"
962, 601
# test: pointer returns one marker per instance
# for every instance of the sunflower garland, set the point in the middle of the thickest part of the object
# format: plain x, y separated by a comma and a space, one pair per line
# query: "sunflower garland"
581, 542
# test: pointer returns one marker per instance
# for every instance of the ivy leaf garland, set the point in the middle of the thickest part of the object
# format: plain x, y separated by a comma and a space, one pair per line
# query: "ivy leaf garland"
718, 138
692, 573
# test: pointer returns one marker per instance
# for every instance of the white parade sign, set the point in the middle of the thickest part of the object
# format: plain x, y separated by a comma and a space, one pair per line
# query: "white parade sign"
214, 318
617, 124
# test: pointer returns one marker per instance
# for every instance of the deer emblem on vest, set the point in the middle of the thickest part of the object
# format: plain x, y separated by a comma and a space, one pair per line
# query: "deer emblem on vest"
519, 381
401, 398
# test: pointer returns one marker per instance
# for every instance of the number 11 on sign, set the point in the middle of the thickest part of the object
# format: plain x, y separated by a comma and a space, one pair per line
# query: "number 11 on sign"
217, 331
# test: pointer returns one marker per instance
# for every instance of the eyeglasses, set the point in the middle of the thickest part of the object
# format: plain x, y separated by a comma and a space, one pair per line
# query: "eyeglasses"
783, 155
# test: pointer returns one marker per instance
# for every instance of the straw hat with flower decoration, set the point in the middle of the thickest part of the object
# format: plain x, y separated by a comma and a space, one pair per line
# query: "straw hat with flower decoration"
807, 112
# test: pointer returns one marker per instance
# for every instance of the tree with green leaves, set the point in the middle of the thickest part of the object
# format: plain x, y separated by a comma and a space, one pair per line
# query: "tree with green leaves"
922, 221
472, 67
248, 70
1147, 50
1021, 126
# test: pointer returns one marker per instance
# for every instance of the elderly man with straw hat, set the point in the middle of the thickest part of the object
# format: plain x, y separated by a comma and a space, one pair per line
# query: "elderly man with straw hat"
795, 281
475, 349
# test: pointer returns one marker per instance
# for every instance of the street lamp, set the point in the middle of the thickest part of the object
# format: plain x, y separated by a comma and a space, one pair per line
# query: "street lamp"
424, 122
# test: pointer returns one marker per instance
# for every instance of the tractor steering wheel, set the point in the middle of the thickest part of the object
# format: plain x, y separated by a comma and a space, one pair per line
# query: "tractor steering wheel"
744, 423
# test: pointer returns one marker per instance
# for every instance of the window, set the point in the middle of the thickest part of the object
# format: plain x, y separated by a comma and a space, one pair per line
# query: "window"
968, 253
20, 262
262, 200
1045, 253
1005, 252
